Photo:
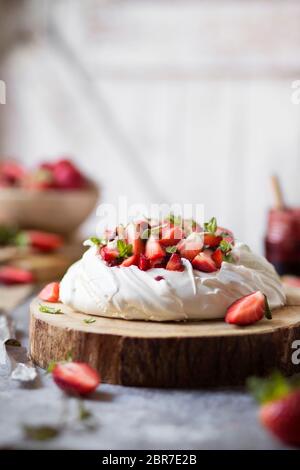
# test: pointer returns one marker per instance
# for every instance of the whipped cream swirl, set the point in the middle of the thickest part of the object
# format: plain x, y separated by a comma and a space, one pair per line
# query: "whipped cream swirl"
92, 287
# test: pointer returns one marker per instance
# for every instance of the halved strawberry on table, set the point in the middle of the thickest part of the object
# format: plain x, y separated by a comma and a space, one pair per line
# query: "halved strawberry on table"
11, 275
42, 241
50, 293
76, 378
248, 310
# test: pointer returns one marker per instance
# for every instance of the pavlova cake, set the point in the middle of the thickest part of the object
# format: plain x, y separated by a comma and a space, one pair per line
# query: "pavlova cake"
175, 270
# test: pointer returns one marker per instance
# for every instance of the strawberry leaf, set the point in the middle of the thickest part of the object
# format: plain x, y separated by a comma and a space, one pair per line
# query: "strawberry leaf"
211, 226
266, 390
98, 241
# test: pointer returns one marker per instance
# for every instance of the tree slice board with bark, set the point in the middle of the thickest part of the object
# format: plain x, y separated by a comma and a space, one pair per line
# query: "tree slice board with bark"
177, 355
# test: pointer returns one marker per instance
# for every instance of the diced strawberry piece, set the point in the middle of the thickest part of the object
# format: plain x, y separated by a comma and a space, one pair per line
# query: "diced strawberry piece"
171, 235
132, 260
158, 263
248, 309
204, 263
190, 226
67, 176
282, 417
212, 240
154, 251
11, 275
175, 263
133, 238
217, 256
40, 179
50, 293
144, 264
110, 255
44, 241
190, 247
76, 378
225, 234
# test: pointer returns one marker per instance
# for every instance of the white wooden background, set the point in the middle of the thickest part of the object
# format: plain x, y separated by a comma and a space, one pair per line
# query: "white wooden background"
159, 100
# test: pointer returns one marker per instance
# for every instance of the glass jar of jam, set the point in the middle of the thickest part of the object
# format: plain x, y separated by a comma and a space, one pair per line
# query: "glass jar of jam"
282, 242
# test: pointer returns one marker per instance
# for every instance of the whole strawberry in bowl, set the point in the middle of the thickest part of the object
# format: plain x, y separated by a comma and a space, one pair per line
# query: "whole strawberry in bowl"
55, 197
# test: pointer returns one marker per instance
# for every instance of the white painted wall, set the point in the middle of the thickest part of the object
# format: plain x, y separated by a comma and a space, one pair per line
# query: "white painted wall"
163, 101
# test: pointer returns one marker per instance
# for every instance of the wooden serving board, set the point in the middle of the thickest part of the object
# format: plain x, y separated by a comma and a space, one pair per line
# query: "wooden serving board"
149, 354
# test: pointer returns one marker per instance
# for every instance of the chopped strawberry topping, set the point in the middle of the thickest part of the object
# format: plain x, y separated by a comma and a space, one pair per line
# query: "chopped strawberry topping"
212, 240
190, 247
217, 256
109, 255
144, 264
171, 235
131, 261
175, 263
154, 251
203, 262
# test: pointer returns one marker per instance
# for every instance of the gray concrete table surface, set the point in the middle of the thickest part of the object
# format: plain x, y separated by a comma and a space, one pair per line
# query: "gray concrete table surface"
128, 418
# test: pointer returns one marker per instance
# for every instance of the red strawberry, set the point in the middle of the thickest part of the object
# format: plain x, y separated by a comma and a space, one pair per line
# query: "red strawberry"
171, 235
67, 176
11, 275
282, 417
40, 179
217, 256
43, 241
50, 293
154, 251
248, 310
110, 255
158, 263
132, 260
175, 263
133, 238
203, 262
144, 264
11, 172
225, 234
212, 240
190, 247
76, 377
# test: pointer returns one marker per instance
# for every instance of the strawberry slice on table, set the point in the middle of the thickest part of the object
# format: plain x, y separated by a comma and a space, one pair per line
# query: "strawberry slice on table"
211, 240
11, 172
10, 275
190, 247
76, 378
175, 263
42, 241
131, 261
217, 256
171, 235
248, 310
154, 251
280, 405
203, 262
50, 293
144, 264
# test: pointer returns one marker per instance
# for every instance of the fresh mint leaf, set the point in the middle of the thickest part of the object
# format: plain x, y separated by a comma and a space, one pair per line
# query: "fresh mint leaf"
171, 249
7, 235
98, 241
89, 320
124, 249
41, 433
21, 239
225, 246
211, 226
53, 310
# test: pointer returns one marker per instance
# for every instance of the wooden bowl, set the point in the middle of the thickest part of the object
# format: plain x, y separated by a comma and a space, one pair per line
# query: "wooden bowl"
50, 210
